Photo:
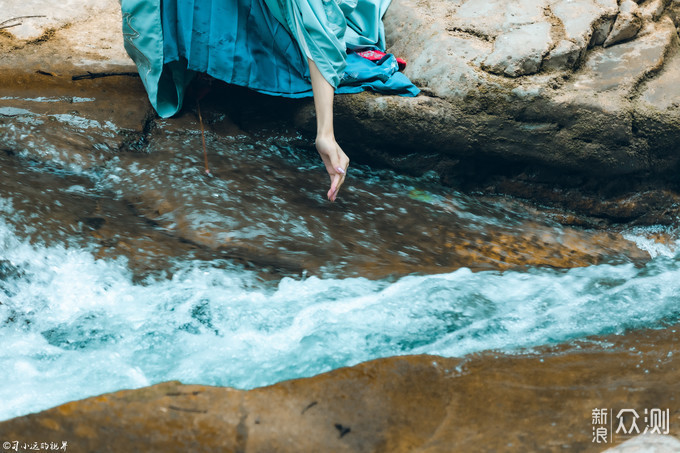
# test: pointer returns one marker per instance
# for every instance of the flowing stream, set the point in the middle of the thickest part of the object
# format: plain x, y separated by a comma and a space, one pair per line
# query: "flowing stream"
121, 270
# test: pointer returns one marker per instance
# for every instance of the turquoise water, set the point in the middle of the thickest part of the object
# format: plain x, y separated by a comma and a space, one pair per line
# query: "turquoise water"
121, 270
73, 326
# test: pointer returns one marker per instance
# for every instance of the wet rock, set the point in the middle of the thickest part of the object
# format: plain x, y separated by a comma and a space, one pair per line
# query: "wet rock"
210, 215
644, 204
69, 209
67, 131
627, 25
419, 403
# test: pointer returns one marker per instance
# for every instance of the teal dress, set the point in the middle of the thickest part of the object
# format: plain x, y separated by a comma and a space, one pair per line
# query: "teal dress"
324, 29
260, 44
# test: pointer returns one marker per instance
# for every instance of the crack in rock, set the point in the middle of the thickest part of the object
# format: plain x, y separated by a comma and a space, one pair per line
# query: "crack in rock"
627, 25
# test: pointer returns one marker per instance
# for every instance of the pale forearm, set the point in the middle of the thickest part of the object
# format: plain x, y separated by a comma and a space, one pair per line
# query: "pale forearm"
334, 158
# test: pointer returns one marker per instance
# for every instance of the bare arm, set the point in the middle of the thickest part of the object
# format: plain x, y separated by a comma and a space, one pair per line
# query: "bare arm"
335, 160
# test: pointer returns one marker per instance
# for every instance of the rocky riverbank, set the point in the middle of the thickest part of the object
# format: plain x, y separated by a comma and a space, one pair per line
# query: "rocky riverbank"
536, 95
569, 103
485, 402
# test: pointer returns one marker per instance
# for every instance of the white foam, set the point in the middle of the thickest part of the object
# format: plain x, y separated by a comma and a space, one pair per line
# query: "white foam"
641, 238
75, 326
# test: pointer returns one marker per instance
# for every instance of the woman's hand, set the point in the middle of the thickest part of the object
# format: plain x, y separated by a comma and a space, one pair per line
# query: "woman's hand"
336, 162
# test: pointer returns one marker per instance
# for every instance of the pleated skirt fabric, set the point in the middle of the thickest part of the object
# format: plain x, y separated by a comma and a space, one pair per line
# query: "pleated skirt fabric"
263, 45
237, 41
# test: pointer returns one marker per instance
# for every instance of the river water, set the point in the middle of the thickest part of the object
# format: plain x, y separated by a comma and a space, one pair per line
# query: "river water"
124, 269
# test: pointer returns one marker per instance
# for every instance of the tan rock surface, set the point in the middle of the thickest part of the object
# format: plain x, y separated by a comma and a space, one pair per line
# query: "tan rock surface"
653, 9
71, 32
627, 24
485, 402
475, 115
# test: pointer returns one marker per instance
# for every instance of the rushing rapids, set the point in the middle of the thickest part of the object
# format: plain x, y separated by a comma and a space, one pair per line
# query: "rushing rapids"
119, 270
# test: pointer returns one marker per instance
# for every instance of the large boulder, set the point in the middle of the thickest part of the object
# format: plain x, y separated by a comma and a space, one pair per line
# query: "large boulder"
536, 86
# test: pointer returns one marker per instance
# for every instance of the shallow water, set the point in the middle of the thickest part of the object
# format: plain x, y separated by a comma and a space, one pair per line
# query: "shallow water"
120, 270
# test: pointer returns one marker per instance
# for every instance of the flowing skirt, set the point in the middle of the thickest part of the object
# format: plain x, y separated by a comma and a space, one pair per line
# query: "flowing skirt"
236, 41
260, 44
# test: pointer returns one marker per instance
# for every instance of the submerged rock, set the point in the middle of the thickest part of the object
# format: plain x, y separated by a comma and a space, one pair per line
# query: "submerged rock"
488, 401
143, 202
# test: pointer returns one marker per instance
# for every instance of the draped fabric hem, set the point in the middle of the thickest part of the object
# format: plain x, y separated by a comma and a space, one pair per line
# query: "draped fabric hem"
249, 43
